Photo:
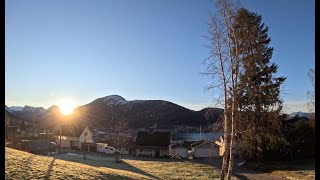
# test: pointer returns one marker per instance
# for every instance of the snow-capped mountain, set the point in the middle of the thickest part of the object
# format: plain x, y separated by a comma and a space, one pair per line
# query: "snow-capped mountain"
114, 100
17, 109
299, 115
33, 109
26, 112
14, 109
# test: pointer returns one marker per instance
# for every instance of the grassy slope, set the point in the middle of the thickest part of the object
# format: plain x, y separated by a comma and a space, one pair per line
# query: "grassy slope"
22, 165
299, 169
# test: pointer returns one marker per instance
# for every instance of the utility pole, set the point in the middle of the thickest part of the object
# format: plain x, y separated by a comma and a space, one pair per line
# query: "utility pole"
85, 137
60, 141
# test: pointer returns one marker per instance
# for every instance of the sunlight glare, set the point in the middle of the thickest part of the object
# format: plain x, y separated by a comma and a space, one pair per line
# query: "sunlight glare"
66, 106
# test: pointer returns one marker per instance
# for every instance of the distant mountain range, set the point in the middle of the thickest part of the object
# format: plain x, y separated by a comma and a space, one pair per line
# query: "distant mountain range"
297, 115
106, 111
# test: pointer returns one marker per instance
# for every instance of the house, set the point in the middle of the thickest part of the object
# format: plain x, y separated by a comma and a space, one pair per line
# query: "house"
10, 132
45, 135
153, 143
205, 150
77, 140
86, 140
180, 150
38, 146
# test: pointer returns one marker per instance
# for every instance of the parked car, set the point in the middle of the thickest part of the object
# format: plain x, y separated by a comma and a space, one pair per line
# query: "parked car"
107, 150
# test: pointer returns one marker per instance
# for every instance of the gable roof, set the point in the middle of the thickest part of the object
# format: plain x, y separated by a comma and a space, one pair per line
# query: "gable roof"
206, 144
199, 142
72, 131
155, 138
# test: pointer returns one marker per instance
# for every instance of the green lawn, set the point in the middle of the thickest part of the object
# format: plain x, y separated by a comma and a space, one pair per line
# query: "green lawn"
22, 165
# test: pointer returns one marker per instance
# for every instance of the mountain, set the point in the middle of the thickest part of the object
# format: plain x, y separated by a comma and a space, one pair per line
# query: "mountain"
14, 109
27, 113
299, 115
142, 113
105, 112
11, 119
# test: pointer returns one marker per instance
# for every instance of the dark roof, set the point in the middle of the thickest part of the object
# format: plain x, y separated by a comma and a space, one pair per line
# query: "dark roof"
36, 145
206, 144
202, 141
180, 145
155, 138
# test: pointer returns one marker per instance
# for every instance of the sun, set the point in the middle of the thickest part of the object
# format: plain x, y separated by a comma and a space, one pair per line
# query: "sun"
66, 106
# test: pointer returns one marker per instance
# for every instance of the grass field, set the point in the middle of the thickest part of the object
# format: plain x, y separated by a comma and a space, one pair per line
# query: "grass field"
22, 165
299, 169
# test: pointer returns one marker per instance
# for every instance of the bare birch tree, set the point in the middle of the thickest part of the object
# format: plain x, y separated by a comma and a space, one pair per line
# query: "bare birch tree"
223, 66
120, 138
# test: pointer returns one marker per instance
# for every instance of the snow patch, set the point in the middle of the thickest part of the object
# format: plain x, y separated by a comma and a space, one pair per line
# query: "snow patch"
114, 100
297, 114
15, 108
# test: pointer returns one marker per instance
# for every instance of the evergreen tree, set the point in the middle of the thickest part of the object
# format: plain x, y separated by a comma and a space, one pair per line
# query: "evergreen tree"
258, 101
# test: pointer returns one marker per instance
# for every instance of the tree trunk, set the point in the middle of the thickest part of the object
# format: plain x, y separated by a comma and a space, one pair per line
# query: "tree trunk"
232, 140
232, 152
225, 147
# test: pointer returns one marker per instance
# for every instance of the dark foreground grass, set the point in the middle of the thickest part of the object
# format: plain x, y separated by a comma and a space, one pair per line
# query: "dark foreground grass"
299, 169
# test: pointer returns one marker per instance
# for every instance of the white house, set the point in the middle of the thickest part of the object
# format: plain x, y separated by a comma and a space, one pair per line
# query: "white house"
86, 141
206, 149
153, 143
77, 140
180, 150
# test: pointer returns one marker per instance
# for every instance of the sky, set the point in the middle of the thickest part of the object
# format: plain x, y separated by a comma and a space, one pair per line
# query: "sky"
142, 49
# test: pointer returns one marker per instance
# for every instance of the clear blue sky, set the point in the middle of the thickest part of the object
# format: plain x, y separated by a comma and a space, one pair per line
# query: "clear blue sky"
139, 49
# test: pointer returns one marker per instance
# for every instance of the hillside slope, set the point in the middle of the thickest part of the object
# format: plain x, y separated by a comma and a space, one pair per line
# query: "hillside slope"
22, 165
143, 113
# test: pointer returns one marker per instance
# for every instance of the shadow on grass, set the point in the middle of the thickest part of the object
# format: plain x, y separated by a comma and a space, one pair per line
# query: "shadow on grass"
214, 162
253, 168
268, 167
108, 163
47, 176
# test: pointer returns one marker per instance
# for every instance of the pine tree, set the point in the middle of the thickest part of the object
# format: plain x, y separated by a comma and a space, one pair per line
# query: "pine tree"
258, 101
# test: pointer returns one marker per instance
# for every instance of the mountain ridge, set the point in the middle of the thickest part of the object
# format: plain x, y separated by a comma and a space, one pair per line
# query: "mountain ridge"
106, 111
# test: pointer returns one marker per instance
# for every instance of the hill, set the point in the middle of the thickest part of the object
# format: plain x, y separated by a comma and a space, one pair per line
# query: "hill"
144, 113
22, 165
